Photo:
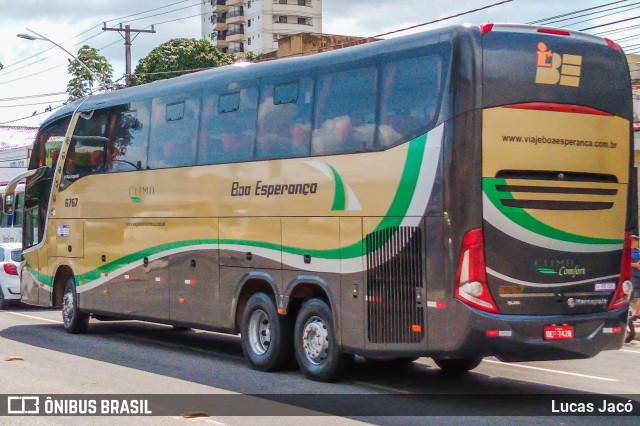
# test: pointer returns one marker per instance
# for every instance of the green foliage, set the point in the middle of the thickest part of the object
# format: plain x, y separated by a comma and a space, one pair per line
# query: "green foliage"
180, 54
82, 82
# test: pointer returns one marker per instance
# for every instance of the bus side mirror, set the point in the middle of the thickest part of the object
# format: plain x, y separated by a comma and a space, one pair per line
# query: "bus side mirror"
9, 191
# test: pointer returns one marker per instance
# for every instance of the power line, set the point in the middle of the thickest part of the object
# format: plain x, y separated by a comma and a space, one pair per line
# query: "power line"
445, 18
32, 96
32, 115
89, 38
593, 13
164, 13
617, 30
609, 23
544, 20
598, 17
31, 75
147, 11
34, 103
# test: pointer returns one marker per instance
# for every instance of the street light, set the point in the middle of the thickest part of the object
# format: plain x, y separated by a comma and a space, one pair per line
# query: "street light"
41, 37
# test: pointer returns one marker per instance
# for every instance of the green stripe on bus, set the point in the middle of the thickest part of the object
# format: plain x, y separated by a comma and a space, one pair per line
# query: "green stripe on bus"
339, 197
520, 217
395, 214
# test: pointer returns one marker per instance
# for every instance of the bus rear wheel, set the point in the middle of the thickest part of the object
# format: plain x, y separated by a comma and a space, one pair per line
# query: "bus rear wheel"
457, 366
316, 345
266, 336
75, 321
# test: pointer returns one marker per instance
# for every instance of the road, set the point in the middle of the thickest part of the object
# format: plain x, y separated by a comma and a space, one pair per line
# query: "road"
140, 358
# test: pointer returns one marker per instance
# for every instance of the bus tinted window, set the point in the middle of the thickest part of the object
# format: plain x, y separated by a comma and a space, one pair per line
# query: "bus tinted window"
284, 120
174, 124
19, 211
46, 148
410, 96
599, 78
228, 131
345, 112
86, 153
129, 135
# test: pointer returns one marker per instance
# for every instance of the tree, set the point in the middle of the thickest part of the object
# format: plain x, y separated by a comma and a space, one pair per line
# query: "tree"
172, 58
82, 82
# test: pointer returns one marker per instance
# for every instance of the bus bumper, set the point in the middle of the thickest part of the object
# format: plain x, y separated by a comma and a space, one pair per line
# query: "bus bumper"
521, 338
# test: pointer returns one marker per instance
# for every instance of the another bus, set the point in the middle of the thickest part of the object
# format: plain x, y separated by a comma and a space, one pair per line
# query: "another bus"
11, 221
458, 194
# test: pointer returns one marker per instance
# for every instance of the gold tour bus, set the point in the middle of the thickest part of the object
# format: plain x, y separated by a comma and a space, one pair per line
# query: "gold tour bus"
457, 194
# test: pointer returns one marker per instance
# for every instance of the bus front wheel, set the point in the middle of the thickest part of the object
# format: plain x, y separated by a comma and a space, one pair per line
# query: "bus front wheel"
315, 343
74, 321
456, 366
266, 336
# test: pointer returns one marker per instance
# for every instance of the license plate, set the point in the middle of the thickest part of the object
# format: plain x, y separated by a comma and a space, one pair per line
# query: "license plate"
558, 332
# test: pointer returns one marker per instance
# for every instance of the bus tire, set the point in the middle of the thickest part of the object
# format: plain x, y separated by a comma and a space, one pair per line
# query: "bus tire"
75, 321
457, 366
315, 343
266, 336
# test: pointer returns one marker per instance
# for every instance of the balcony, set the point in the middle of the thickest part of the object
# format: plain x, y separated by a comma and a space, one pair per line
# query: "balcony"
221, 40
220, 26
219, 5
235, 2
236, 34
236, 48
221, 43
235, 16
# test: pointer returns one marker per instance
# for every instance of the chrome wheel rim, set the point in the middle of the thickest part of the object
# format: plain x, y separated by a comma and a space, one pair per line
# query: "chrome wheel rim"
315, 340
259, 332
67, 308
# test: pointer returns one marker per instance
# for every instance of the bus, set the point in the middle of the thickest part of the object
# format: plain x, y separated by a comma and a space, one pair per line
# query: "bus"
11, 221
455, 194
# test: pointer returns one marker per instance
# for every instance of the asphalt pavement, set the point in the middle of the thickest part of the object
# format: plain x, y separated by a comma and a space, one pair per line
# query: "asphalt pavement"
133, 357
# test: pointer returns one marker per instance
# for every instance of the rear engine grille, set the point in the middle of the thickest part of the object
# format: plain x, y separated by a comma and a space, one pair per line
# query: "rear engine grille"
543, 203
394, 285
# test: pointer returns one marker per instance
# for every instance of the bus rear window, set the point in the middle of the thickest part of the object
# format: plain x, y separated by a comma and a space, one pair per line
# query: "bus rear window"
529, 67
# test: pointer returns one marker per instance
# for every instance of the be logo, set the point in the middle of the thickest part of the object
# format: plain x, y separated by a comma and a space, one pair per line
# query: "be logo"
553, 68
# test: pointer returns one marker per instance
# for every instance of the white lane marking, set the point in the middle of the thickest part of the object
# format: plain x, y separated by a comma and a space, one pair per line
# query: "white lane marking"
32, 316
382, 387
632, 352
606, 379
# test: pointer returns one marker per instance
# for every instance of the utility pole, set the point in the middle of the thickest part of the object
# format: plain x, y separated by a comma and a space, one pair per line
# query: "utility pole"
127, 45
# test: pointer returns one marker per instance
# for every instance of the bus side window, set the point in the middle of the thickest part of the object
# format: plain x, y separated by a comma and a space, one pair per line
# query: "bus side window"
284, 120
19, 210
174, 124
344, 120
227, 133
128, 137
411, 94
86, 153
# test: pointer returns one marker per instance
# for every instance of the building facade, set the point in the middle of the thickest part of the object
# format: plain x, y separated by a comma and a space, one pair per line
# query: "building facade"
15, 150
237, 26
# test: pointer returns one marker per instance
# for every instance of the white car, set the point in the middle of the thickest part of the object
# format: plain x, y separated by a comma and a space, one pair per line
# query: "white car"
10, 256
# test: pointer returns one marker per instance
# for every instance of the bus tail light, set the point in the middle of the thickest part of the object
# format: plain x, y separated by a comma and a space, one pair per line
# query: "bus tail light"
472, 276
10, 269
612, 44
625, 288
485, 28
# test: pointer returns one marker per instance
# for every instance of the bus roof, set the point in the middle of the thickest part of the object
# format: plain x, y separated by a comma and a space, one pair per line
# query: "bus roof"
234, 73
224, 75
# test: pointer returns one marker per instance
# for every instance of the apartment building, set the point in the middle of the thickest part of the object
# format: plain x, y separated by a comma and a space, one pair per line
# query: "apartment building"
256, 25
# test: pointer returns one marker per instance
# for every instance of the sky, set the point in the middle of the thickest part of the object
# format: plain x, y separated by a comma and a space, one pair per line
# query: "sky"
35, 68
